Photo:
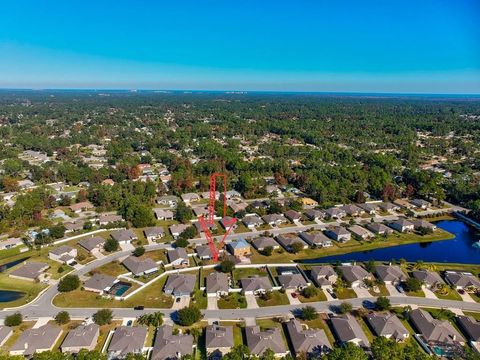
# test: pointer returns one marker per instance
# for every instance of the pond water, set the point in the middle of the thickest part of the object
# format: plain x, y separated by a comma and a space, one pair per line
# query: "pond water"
11, 264
7, 295
457, 250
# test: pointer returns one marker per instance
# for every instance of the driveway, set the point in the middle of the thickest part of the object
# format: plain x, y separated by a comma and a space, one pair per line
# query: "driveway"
212, 302
127, 247
393, 290
183, 302
327, 294
292, 300
466, 297
362, 292
97, 254
429, 294
251, 301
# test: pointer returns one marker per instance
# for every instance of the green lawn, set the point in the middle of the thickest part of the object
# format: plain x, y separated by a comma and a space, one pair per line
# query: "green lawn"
450, 295
242, 273
113, 268
200, 299
28, 288
418, 293
277, 298
382, 291
345, 293
319, 297
232, 301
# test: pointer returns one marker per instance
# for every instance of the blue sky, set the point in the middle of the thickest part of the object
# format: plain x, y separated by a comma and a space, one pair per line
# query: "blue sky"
417, 46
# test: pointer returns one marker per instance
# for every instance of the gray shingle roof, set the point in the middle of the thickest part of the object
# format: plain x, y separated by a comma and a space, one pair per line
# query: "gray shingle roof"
256, 283
91, 243
433, 329
128, 339
387, 324
138, 266
180, 284
64, 249
322, 275
310, 341
178, 253
259, 341
390, 273
292, 281
470, 326
428, 277
81, 336
154, 231
217, 282
123, 235
31, 270
262, 242
169, 346
99, 282
40, 338
463, 280
353, 273
347, 329
218, 337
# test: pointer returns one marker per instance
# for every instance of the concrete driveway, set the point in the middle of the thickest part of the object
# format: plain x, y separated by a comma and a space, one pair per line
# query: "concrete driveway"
393, 290
292, 300
327, 294
180, 304
466, 297
251, 301
212, 302
429, 294
362, 292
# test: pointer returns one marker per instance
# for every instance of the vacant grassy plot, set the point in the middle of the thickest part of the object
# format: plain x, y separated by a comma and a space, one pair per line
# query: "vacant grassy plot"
113, 268
232, 301
277, 298
157, 255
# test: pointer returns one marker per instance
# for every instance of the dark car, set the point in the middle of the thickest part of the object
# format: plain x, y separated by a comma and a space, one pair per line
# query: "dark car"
367, 304
139, 307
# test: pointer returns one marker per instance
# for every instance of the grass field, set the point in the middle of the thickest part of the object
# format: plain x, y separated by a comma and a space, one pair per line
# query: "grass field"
30, 290
277, 298
319, 297
345, 293
232, 301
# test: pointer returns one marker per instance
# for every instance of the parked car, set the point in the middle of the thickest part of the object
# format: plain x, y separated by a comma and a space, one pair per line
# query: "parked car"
139, 307
367, 304
294, 295
400, 288
129, 323
332, 293
177, 300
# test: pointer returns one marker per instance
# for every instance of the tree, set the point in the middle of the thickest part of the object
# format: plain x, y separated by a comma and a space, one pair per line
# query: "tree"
267, 250
345, 307
84, 354
386, 349
111, 245
69, 283
309, 313
370, 266
13, 320
382, 303
296, 247
412, 284
239, 352
142, 216
183, 213
139, 251
310, 291
103, 317
348, 351
62, 317
57, 231
227, 266
188, 315
155, 319
267, 355
52, 355
181, 242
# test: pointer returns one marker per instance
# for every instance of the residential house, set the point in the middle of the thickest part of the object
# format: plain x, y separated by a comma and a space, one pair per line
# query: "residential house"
388, 325
259, 341
274, 219
81, 337
71, 226
287, 241
430, 279
206, 195
262, 242
422, 224
390, 274
154, 233
379, 229
228, 222
190, 197
236, 205
314, 214
471, 328
355, 275
104, 220
239, 248
203, 252
335, 213
421, 204
293, 215
127, 340
217, 284
434, 330
369, 208
211, 226
313, 342
292, 281
233, 194
10, 243
5, 333
92, 243
388, 207
177, 229
338, 233
180, 284
64, 254
360, 232
140, 266
178, 258
347, 329
30, 271
403, 204
36, 340
259, 205
462, 280
163, 214
402, 225
323, 275
256, 285
81, 206
100, 283
124, 236
252, 221
168, 200
218, 340
308, 202
353, 210
170, 346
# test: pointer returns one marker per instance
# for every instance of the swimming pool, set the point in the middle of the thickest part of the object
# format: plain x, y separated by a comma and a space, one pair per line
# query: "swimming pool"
120, 288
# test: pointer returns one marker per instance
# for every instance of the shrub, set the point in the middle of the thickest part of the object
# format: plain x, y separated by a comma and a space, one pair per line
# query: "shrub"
62, 317
111, 245
69, 283
309, 313
227, 266
14, 319
188, 315
382, 303
103, 317
345, 307
310, 291
139, 251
